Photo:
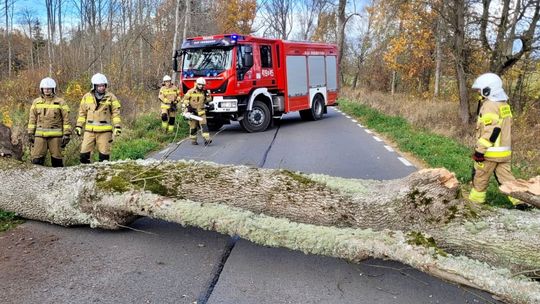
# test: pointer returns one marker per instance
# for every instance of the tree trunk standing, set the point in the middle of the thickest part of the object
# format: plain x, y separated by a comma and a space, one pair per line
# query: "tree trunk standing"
141, 46
438, 57
187, 20
422, 225
60, 46
459, 58
49, 35
175, 39
394, 83
341, 23
7, 35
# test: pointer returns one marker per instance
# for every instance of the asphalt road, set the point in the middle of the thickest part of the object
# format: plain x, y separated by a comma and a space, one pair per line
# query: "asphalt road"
159, 262
336, 145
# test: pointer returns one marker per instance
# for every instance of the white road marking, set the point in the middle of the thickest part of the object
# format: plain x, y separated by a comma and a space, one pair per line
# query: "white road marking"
164, 151
354, 120
405, 162
368, 131
360, 125
389, 148
348, 116
376, 138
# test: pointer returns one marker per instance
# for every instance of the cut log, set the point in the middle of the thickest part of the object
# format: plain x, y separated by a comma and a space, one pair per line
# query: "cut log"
418, 220
526, 191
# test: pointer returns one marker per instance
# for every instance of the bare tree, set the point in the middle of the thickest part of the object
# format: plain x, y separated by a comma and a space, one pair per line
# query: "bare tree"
522, 27
27, 19
278, 18
308, 10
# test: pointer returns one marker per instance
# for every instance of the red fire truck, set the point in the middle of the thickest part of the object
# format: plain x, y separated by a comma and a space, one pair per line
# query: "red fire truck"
255, 80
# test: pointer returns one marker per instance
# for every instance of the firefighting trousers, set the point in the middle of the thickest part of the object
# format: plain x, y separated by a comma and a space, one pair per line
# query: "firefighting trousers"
103, 141
44, 144
168, 113
194, 125
483, 171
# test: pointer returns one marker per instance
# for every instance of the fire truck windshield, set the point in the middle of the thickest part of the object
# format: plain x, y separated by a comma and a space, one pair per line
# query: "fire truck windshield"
206, 61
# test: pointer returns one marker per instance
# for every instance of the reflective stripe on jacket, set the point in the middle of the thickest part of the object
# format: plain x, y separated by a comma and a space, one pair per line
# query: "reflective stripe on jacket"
197, 100
168, 96
493, 130
49, 117
99, 117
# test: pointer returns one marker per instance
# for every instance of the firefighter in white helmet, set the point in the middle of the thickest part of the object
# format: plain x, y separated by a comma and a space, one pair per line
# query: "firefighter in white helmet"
168, 95
196, 101
99, 114
493, 149
48, 125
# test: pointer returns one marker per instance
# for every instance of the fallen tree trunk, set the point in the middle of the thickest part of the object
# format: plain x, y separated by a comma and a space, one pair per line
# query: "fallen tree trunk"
417, 220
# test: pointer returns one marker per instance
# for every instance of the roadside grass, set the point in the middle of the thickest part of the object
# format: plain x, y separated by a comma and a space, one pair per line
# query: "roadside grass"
435, 150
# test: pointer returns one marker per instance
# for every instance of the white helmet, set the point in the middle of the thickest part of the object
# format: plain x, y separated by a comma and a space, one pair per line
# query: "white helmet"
99, 79
490, 86
47, 83
167, 78
200, 80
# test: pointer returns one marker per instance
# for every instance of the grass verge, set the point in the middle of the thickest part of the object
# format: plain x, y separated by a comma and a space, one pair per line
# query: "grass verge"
435, 150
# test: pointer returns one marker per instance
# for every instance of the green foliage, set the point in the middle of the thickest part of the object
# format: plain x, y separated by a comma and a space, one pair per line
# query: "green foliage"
8, 220
436, 150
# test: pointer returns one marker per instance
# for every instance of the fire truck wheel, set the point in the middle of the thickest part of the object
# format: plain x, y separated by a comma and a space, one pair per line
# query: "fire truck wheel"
258, 119
317, 109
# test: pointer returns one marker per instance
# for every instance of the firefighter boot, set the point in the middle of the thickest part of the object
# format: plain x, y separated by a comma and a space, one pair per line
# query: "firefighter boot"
39, 161
171, 125
85, 158
193, 136
56, 162
164, 119
103, 157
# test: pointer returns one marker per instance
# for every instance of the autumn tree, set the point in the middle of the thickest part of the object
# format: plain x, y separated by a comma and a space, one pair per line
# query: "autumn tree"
411, 51
235, 16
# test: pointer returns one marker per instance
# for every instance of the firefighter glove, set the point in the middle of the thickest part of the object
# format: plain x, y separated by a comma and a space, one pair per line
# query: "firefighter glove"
209, 107
117, 131
478, 157
190, 109
31, 138
78, 131
65, 141
173, 107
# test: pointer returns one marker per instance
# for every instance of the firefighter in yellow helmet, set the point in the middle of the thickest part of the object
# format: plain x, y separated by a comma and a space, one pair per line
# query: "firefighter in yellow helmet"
48, 125
493, 149
99, 114
195, 102
168, 95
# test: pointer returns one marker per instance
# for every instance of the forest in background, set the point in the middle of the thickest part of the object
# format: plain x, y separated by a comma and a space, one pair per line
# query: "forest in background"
417, 54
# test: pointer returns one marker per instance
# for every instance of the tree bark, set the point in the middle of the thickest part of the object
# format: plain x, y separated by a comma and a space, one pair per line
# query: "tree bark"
175, 39
459, 58
415, 220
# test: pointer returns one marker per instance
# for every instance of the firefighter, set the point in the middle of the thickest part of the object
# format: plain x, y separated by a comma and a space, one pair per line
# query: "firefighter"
168, 95
99, 113
195, 102
48, 125
493, 133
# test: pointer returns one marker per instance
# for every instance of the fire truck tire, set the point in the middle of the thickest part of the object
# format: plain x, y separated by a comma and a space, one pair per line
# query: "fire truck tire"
258, 119
317, 109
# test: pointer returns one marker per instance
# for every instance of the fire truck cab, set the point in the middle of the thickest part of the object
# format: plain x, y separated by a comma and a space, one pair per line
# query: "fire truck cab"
254, 80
